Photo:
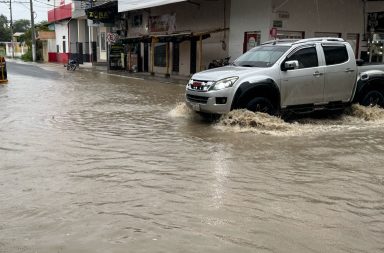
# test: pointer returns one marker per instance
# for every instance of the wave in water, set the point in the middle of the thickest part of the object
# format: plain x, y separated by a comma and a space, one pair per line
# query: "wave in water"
354, 118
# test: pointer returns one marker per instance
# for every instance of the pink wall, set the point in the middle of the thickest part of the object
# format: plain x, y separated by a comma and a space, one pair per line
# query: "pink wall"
58, 57
59, 13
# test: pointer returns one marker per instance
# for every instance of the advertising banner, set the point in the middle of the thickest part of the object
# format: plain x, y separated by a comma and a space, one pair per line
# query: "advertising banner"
129, 5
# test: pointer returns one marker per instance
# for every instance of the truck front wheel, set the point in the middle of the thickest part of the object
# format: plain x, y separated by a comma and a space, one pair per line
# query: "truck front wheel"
373, 98
261, 104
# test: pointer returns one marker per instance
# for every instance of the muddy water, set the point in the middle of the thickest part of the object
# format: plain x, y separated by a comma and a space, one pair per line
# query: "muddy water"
98, 163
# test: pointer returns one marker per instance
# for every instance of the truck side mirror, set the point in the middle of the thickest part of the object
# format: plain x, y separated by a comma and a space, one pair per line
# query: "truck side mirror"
289, 65
359, 62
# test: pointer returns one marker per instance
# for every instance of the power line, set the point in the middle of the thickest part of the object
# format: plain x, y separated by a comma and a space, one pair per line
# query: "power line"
22, 4
6, 2
45, 3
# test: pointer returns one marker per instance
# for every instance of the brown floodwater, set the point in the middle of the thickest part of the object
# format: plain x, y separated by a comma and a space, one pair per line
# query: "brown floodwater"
98, 163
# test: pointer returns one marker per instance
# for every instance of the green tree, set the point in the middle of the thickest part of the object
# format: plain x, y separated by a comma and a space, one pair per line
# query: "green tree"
21, 25
27, 38
5, 31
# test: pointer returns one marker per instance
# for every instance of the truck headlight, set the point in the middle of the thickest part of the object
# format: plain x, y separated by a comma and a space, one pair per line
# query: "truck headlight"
224, 83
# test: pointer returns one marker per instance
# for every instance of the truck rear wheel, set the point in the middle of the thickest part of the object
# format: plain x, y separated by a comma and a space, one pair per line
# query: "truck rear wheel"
261, 104
373, 98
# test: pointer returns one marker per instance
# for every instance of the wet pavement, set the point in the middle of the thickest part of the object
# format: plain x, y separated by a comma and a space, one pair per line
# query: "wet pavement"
94, 163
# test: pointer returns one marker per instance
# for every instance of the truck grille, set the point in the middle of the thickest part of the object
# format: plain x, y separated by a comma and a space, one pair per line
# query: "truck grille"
198, 85
197, 99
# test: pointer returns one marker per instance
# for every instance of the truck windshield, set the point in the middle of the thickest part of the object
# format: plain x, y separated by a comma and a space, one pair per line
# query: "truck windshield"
262, 56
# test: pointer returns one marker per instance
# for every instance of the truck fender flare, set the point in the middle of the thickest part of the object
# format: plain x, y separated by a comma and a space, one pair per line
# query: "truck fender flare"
376, 81
247, 90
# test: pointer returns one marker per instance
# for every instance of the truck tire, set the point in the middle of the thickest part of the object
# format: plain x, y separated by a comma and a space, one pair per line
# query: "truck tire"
372, 98
261, 104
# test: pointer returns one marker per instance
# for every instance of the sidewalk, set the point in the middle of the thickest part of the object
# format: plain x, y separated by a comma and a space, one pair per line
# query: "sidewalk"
176, 79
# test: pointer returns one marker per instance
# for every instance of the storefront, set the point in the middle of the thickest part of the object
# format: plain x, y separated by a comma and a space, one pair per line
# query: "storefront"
376, 37
254, 22
179, 38
60, 17
102, 20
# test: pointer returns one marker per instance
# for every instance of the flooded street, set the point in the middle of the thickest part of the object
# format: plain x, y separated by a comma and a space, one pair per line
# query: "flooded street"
97, 163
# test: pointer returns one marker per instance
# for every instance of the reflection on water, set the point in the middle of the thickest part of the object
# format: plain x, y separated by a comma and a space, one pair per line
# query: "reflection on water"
98, 163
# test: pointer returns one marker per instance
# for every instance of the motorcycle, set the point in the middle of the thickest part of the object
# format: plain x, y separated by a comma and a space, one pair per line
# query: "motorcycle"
219, 63
72, 65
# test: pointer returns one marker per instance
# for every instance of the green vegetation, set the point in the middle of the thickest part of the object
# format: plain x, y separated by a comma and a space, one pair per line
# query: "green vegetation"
5, 31
2, 49
24, 26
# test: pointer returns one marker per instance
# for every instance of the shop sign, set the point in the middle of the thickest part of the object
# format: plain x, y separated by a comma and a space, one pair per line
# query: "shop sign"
283, 14
116, 57
112, 37
100, 15
278, 23
116, 49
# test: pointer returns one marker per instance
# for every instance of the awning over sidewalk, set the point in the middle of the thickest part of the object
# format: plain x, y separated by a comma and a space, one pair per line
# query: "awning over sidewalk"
164, 38
129, 5
175, 37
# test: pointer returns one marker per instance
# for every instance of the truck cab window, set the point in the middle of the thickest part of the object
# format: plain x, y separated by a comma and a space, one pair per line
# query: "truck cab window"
335, 54
307, 58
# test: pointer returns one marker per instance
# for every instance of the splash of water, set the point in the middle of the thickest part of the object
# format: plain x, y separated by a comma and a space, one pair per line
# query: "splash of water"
182, 111
355, 117
366, 113
247, 119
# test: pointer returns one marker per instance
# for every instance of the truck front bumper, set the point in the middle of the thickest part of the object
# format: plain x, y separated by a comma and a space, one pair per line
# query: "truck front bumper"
213, 102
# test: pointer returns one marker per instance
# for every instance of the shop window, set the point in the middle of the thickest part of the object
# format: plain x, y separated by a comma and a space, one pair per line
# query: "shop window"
376, 48
307, 58
103, 41
335, 54
161, 55
137, 20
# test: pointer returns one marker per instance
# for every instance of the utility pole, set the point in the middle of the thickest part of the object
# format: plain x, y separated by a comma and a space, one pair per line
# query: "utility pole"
33, 33
13, 47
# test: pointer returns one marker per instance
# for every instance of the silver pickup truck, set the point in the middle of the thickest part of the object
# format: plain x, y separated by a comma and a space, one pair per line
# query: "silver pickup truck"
284, 75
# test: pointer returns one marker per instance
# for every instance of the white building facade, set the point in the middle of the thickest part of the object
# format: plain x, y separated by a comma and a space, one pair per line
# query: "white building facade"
163, 36
253, 22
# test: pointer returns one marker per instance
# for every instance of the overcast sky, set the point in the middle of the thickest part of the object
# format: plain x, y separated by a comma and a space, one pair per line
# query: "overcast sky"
21, 9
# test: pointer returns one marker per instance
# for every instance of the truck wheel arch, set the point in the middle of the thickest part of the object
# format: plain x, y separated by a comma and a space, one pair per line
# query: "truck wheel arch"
363, 87
247, 91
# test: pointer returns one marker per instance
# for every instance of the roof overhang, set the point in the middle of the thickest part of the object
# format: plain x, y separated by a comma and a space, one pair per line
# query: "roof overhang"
162, 38
104, 13
130, 5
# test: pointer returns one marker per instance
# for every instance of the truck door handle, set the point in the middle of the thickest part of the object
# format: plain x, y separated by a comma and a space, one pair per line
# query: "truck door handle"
349, 70
317, 74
